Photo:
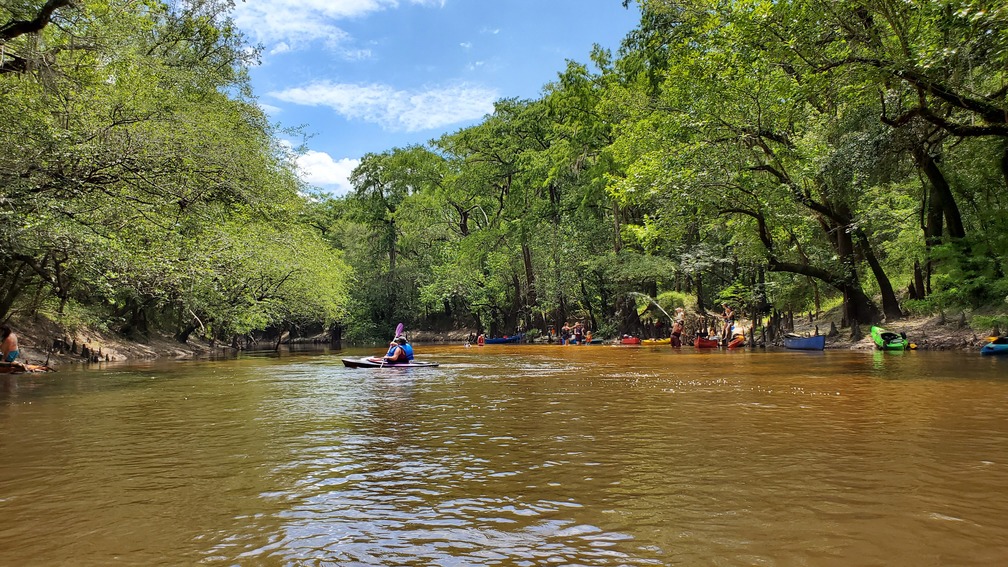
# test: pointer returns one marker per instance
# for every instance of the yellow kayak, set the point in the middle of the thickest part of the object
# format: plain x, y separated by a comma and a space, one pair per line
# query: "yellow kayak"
656, 341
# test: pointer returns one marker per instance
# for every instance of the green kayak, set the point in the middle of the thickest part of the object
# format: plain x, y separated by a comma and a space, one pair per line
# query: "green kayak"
887, 340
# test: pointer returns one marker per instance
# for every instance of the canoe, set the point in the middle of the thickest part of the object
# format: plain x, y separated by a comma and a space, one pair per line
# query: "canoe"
630, 341
887, 340
371, 362
796, 342
504, 340
997, 346
737, 342
656, 341
704, 342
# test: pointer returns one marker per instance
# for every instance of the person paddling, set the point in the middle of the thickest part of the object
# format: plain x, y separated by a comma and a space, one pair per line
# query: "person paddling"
399, 351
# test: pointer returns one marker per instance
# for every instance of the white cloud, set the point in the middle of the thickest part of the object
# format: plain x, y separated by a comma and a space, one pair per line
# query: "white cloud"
397, 110
321, 170
270, 109
281, 47
284, 25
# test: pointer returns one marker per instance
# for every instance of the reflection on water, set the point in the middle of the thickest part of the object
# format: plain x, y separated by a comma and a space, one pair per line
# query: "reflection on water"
512, 455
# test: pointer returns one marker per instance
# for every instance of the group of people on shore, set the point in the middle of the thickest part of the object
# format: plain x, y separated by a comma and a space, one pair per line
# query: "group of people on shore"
576, 335
724, 335
726, 332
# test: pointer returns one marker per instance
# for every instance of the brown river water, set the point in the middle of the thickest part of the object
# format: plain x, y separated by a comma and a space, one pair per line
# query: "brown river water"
511, 455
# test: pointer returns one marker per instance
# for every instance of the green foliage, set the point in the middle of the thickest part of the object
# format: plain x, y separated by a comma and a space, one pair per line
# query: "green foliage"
972, 276
987, 323
145, 185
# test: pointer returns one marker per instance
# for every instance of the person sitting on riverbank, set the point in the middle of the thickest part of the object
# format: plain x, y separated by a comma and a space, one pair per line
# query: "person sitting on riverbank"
9, 344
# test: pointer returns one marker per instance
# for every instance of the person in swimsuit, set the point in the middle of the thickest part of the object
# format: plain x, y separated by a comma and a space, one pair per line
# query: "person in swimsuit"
9, 346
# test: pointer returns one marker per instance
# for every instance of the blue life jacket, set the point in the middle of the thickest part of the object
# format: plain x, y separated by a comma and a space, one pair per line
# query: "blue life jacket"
409, 351
391, 350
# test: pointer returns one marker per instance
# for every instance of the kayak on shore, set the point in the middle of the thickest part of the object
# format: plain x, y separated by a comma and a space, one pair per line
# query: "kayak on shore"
704, 342
997, 346
796, 342
504, 340
887, 340
19, 368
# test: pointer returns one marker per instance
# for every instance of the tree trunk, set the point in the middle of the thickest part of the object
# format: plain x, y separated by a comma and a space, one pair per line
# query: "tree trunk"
11, 291
701, 307
532, 300
617, 239
890, 305
941, 195
919, 280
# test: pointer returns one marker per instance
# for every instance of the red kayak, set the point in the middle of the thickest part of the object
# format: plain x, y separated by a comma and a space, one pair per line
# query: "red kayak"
704, 342
371, 362
630, 341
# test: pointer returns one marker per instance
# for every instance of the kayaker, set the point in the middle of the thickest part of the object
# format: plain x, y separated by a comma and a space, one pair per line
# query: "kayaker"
406, 346
397, 352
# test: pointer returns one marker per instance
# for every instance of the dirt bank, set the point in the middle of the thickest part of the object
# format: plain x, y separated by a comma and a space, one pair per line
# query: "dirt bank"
44, 342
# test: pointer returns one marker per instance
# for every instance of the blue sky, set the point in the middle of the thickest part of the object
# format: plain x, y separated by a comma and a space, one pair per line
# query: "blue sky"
370, 75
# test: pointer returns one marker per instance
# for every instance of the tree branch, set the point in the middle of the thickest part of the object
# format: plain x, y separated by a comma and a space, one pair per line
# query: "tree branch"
15, 28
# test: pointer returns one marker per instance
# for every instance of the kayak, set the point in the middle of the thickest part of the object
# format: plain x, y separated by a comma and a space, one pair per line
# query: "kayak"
18, 368
656, 341
887, 340
738, 341
630, 341
703, 342
997, 346
372, 362
504, 340
796, 342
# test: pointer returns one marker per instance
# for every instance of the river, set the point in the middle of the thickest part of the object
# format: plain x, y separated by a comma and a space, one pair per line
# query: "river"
511, 455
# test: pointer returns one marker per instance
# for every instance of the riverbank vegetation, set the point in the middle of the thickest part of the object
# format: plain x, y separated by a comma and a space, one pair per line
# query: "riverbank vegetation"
142, 187
779, 156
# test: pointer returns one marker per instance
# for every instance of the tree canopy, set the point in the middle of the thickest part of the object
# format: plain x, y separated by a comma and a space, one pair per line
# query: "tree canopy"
784, 156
